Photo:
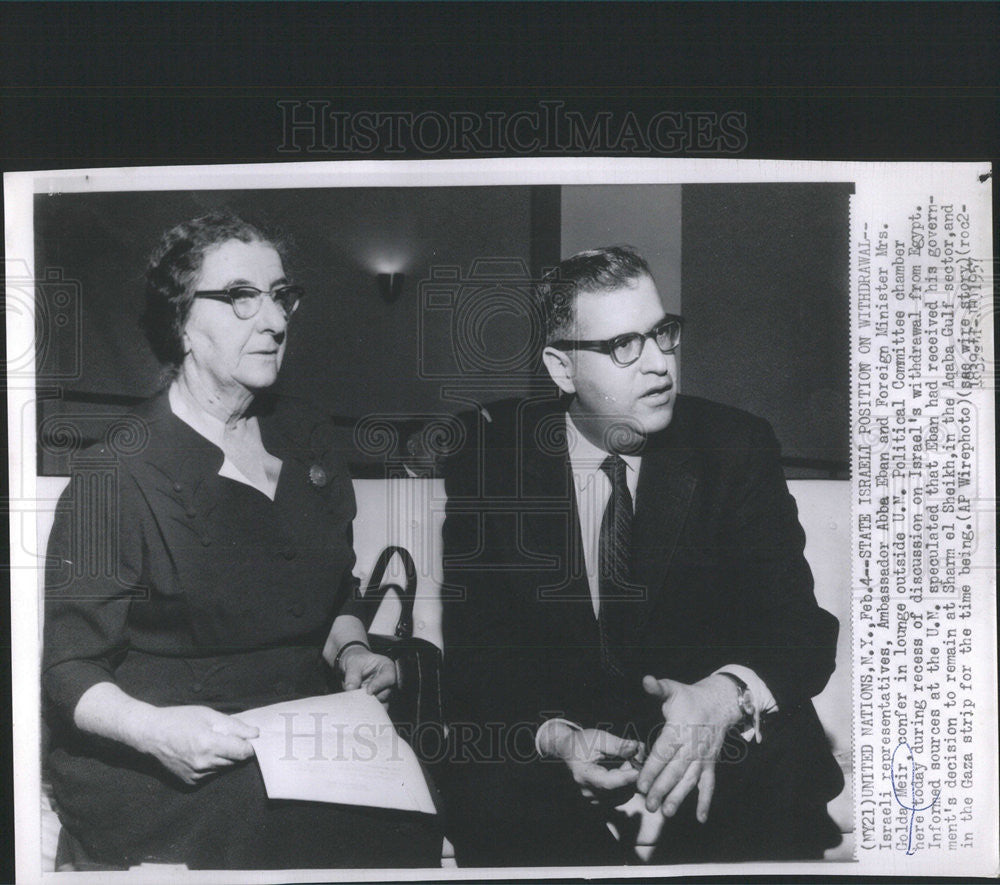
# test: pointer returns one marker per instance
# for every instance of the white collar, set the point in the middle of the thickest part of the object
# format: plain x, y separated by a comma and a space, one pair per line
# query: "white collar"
210, 427
585, 457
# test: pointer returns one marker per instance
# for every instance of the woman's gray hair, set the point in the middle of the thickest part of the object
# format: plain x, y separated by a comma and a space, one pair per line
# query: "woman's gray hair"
173, 270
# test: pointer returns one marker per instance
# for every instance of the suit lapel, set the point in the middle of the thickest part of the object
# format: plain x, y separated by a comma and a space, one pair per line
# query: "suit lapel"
667, 480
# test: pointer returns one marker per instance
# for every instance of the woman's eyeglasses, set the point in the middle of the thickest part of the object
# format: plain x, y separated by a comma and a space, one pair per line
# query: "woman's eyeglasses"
246, 300
626, 349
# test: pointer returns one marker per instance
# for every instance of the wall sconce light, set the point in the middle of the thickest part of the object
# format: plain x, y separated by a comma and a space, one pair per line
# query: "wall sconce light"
390, 286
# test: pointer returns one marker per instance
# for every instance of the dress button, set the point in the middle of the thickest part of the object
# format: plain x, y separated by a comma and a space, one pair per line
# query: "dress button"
280, 687
190, 513
178, 487
296, 610
196, 687
289, 553
206, 542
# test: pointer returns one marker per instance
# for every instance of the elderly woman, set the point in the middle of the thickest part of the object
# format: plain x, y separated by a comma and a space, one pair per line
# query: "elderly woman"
219, 580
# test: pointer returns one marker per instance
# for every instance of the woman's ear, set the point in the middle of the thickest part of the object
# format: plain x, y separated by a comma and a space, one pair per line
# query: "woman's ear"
559, 365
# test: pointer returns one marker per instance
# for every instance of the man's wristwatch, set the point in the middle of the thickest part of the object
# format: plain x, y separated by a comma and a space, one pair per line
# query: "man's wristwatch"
744, 698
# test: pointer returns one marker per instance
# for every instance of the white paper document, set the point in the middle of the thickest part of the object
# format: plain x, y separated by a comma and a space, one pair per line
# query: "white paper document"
337, 748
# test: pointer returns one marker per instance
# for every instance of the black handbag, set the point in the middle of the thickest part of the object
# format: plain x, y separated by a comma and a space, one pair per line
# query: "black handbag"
415, 705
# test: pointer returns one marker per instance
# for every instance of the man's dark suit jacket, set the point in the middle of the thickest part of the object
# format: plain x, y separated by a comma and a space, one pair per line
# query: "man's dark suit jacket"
717, 555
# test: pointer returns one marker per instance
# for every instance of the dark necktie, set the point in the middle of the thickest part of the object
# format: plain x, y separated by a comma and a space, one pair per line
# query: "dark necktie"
614, 572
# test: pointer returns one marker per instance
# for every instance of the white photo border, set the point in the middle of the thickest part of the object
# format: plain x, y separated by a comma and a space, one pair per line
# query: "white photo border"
884, 194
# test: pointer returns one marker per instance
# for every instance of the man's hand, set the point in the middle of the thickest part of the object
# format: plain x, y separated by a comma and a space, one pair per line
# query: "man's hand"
696, 719
598, 760
362, 667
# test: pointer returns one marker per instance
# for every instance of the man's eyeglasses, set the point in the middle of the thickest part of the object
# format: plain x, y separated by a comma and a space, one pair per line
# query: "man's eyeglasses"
626, 349
246, 300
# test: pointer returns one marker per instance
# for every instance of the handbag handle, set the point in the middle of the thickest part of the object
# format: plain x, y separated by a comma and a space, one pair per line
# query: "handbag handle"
376, 590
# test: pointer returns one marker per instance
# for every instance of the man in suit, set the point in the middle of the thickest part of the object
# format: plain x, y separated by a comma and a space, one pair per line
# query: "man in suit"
628, 608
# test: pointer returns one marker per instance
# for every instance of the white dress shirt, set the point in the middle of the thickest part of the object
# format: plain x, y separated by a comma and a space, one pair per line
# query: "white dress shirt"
593, 490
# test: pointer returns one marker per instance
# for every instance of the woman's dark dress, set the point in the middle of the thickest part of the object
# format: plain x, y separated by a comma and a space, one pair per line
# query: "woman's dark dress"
184, 587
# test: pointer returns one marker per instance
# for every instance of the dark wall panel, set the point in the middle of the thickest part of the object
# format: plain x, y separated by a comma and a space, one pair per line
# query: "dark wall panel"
765, 300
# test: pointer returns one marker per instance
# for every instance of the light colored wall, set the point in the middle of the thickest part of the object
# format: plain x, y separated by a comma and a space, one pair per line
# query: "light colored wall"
647, 217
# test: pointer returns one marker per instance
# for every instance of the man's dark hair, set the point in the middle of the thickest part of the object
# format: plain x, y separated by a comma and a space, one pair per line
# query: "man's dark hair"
173, 270
596, 270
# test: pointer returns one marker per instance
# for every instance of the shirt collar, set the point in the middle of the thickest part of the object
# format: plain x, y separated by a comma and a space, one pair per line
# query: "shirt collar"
585, 457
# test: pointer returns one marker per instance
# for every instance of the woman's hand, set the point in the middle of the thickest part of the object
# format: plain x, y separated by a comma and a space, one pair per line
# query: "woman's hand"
362, 667
194, 742
346, 649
